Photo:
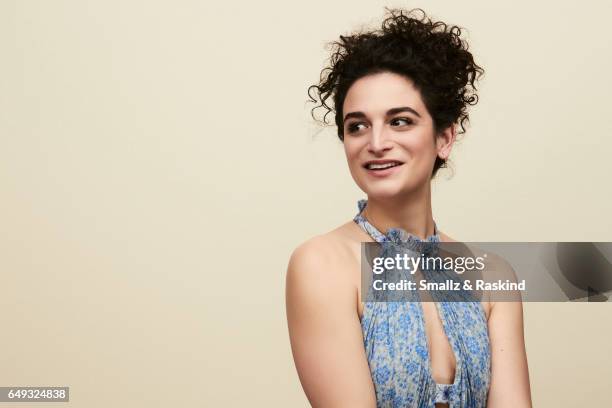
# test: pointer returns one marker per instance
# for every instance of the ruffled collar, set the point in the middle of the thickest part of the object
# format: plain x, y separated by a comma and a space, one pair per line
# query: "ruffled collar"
393, 235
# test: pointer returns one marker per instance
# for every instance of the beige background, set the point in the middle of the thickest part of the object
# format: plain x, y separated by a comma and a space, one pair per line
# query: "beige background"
158, 164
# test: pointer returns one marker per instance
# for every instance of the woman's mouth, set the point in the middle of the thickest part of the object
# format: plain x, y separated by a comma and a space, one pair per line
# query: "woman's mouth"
382, 168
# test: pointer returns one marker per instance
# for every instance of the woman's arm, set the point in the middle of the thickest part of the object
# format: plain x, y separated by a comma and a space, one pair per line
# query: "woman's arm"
325, 331
509, 371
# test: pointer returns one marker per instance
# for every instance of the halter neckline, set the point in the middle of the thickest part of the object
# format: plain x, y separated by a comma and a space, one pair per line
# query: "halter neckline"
394, 234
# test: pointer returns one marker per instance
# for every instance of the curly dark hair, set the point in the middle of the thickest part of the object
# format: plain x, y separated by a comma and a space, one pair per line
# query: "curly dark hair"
432, 54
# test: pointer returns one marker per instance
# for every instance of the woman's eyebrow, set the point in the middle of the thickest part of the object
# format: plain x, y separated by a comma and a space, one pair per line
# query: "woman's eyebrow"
390, 112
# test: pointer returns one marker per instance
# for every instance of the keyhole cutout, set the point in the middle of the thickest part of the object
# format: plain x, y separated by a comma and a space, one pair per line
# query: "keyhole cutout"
442, 359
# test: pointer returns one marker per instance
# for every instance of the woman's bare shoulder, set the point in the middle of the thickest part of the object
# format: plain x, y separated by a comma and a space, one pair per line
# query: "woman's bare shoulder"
330, 250
320, 268
329, 244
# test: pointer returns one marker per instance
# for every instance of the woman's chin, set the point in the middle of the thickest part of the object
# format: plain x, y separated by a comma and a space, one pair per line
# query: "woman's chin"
383, 192
390, 189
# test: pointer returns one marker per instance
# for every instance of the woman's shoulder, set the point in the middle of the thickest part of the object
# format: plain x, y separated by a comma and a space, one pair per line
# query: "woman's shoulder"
329, 257
328, 247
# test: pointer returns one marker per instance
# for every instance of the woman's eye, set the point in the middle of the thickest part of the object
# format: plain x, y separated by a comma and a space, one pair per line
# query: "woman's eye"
354, 127
407, 121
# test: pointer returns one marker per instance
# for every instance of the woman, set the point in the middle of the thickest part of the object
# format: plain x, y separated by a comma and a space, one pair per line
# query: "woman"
399, 95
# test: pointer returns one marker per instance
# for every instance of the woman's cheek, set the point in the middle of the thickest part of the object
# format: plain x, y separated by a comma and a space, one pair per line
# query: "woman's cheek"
352, 157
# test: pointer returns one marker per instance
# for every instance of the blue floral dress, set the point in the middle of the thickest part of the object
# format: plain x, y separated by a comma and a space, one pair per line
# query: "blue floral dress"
396, 344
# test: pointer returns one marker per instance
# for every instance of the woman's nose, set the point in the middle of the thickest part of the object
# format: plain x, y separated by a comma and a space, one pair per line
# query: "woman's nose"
379, 142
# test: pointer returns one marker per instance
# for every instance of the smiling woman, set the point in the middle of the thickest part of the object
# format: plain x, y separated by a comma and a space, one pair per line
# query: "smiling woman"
377, 167
400, 96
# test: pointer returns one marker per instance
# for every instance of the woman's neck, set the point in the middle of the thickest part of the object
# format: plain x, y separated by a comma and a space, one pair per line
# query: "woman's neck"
411, 213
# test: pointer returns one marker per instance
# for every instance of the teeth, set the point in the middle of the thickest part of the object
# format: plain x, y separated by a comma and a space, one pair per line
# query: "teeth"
375, 166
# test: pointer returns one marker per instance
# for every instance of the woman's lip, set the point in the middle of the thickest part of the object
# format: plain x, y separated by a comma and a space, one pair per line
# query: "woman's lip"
382, 162
384, 172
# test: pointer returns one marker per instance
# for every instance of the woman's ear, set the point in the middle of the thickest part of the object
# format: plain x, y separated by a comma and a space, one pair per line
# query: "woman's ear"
445, 140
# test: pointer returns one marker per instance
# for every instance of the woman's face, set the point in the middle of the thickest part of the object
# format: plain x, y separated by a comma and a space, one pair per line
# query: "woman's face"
389, 136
